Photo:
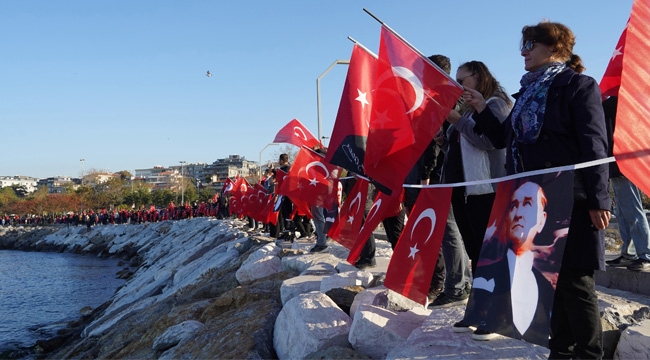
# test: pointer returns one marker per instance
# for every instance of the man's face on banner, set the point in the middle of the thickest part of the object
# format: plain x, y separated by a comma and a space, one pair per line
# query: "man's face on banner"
526, 216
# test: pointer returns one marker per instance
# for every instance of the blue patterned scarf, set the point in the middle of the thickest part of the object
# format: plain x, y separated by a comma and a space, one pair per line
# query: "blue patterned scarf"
528, 113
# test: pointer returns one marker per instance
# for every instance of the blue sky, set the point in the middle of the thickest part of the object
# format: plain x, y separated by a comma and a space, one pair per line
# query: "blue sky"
122, 84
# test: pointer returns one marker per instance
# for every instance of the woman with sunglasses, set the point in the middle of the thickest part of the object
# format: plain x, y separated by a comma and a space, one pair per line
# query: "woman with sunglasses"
558, 120
470, 157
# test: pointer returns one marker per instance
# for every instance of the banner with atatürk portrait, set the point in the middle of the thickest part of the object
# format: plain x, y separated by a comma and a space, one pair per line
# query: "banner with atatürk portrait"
514, 284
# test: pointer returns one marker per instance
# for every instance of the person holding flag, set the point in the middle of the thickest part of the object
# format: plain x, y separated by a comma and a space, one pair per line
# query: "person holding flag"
558, 120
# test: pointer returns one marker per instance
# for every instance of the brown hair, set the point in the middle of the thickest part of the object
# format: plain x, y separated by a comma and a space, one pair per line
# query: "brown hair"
486, 84
558, 36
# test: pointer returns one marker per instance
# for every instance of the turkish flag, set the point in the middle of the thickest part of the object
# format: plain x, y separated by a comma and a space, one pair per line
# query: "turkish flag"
611, 81
412, 99
383, 207
238, 200
631, 136
296, 133
257, 203
345, 229
347, 146
280, 184
312, 180
228, 186
269, 213
414, 259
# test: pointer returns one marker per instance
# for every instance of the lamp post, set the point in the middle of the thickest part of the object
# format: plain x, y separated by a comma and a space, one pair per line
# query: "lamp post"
81, 204
182, 184
343, 62
264, 148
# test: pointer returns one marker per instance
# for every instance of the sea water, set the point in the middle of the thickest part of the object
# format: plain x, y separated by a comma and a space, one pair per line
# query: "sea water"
40, 292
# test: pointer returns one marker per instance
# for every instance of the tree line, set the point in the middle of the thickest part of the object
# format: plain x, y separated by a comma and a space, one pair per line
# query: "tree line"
117, 193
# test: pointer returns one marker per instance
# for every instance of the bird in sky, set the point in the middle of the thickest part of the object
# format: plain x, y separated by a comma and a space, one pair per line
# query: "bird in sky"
208, 74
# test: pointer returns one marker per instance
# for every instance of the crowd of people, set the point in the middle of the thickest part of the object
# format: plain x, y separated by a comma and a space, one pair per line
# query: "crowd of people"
134, 216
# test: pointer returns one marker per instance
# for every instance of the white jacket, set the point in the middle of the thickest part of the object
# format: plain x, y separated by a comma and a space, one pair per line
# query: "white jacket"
481, 161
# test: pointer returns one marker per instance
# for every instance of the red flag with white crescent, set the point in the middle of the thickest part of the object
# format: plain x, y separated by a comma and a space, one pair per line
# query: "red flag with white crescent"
383, 207
413, 261
412, 99
312, 180
296, 133
345, 229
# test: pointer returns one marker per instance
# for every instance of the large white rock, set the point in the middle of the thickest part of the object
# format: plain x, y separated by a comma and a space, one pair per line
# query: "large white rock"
261, 263
295, 286
350, 278
308, 323
177, 333
303, 262
385, 298
376, 331
634, 342
435, 339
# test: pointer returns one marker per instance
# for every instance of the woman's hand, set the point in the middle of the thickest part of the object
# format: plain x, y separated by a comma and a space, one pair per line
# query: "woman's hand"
600, 218
474, 99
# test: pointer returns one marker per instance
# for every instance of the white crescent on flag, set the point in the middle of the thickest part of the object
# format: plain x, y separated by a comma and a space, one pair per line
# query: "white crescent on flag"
431, 215
373, 211
415, 82
319, 164
295, 129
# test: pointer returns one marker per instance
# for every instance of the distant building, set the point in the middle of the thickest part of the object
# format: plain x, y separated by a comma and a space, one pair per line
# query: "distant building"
29, 183
230, 167
57, 184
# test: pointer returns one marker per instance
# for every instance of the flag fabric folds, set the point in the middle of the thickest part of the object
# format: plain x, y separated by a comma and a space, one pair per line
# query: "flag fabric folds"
413, 261
347, 146
312, 180
384, 206
611, 81
296, 133
631, 136
347, 225
412, 99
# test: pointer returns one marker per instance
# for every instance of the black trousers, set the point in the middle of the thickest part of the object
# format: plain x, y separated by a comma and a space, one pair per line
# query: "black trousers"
472, 214
576, 316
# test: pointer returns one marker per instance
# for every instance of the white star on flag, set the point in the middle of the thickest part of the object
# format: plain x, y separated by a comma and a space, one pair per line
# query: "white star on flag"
362, 98
414, 250
616, 53
313, 182
351, 219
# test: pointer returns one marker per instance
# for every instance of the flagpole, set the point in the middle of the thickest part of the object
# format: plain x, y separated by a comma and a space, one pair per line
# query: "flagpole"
363, 47
426, 58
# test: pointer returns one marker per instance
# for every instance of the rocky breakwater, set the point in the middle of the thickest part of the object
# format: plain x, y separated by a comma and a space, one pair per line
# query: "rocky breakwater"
206, 288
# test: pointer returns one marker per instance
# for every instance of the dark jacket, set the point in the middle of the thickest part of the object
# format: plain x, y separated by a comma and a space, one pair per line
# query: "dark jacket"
574, 131
492, 310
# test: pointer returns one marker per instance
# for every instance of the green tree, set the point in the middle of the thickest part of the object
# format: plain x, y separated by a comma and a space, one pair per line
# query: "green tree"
161, 198
206, 194
7, 197
140, 197
124, 174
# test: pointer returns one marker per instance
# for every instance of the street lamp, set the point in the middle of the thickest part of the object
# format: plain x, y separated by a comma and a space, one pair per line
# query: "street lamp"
182, 185
264, 148
82, 170
343, 62
81, 204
